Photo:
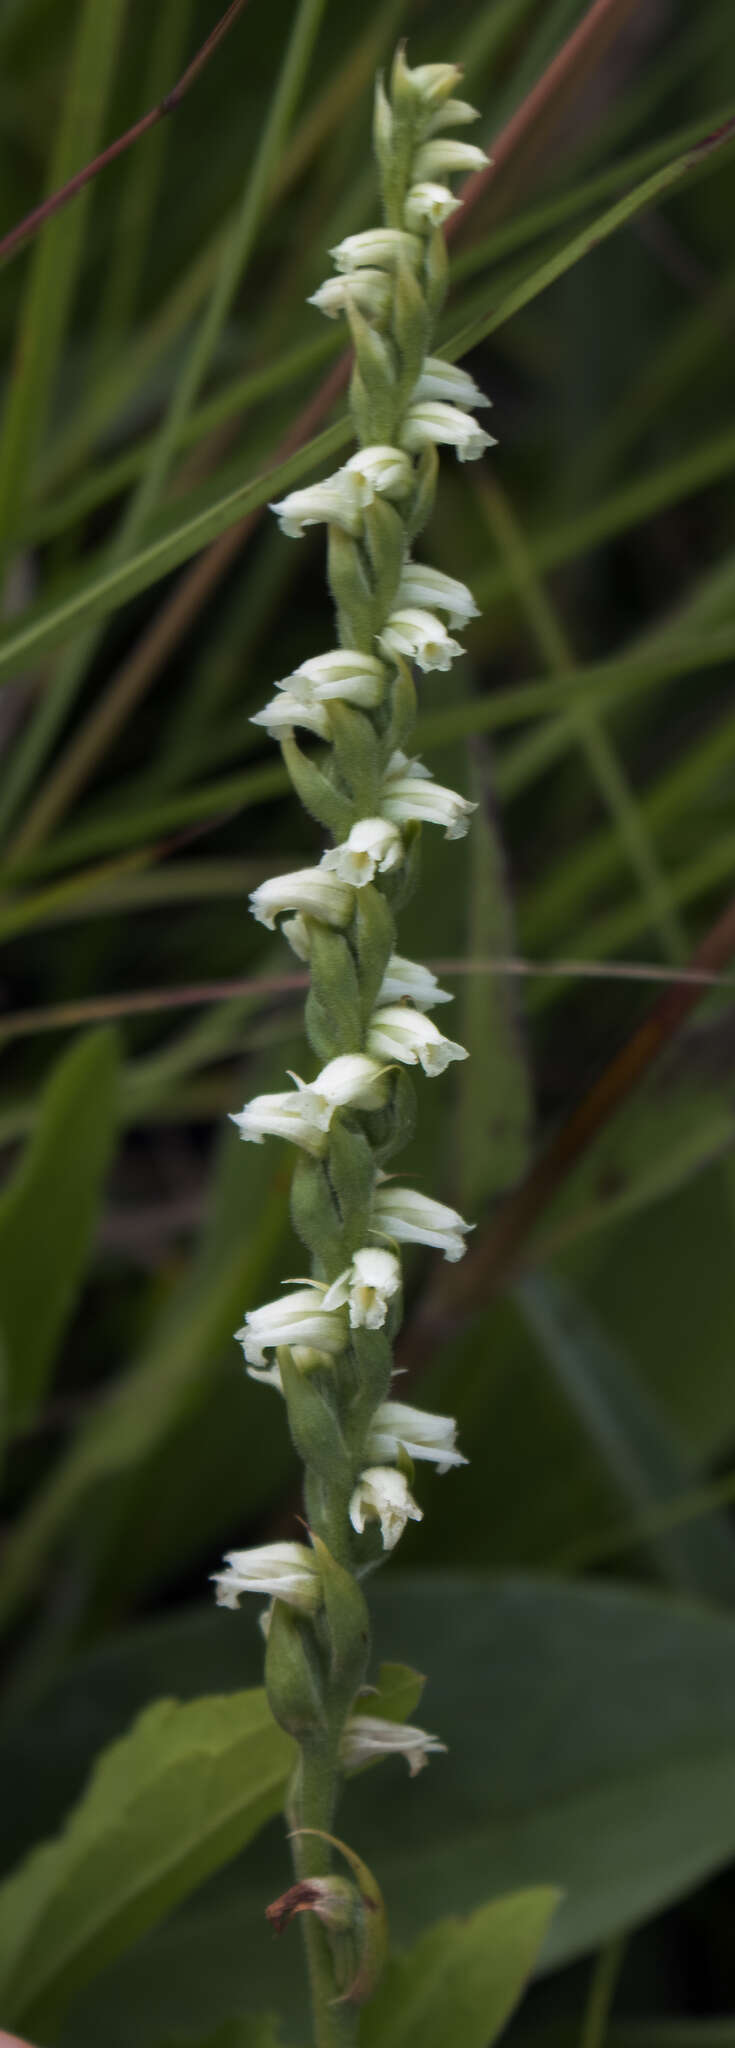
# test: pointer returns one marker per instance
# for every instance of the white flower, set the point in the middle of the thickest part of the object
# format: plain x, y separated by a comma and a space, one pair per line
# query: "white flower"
285, 711
383, 247
379, 472
411, 978
368, 1287
337, 501
432, 82
343, 673
442, 158
412, 794
395, 1427
366, 1738
428, 205
286, 1570
450, 382
430, 420
297, 1114
373, 846
368, 289
352, 1081
420, 637
382, 1495
453, 114
420, 585
400, 1033
311, 890
412, 1218
299, 1320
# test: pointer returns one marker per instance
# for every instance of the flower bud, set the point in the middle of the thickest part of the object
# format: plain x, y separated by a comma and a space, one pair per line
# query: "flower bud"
382, 1495
444, 157
333, 1899
288, 1571
453, 114
400, 1033
431, 84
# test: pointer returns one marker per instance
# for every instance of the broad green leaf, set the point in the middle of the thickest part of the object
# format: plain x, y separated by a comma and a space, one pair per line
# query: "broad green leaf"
242, 2033
574, 1715
462, 1979
48, 1214
167, 1805
632, 1435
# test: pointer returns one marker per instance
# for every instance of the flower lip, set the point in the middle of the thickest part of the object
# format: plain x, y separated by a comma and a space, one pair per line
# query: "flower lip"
296, 1319
421, 637
313, 891
429, 204
368, 289
373, 846
296, 1114
421, 585
400, 1033
396, 1427
411, 978
432, 420
367, 1738
382, 1495
285, 711
410, 1217
342, 673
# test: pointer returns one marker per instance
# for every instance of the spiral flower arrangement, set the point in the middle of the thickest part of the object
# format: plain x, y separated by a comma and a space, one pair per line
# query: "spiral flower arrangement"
326, 1345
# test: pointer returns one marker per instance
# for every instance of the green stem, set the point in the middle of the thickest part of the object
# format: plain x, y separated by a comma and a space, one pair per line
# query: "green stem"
312, 1806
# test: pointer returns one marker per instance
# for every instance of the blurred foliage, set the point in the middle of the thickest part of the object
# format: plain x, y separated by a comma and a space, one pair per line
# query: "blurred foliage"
567, 1595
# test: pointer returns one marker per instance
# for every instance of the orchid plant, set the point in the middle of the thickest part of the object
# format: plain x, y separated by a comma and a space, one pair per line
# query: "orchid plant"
326, 1345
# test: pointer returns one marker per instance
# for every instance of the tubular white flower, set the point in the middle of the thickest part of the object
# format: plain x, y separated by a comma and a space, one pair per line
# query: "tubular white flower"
412, 1218
443, 157
383, 1495
367, 1287
297, 1114
384, 248
411, 978
430, 421
432, 82
284, 712
313, 891
453, 114
374, 846
396, 1427
366, 1738
380, 472
428, 205
370, 290
343, 673
412, 794
400, 1033
420, 585
337, 501
352, 1081
299, 1320
288, 1571
449, 382
419, 636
